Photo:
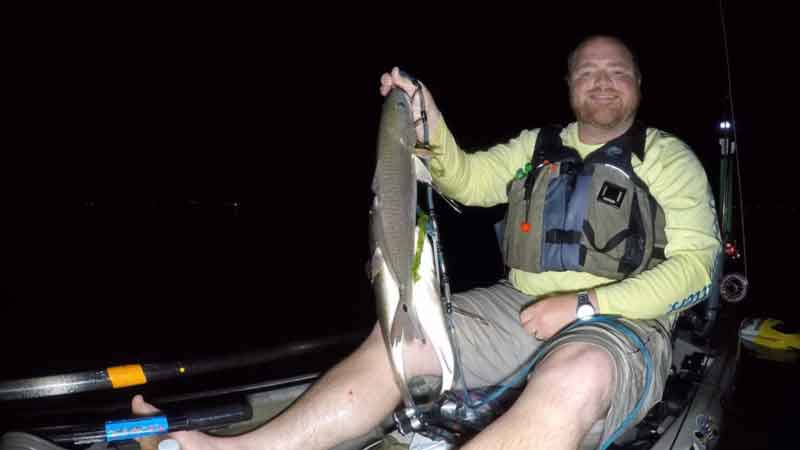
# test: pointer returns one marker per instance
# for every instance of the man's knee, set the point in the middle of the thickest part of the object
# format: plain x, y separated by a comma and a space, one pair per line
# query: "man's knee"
580, 375
579, 355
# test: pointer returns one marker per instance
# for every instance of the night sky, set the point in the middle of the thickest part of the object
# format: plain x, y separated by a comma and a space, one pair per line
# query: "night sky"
200, 183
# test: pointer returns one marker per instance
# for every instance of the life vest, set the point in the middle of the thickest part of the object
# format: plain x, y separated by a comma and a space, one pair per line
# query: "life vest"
590, 215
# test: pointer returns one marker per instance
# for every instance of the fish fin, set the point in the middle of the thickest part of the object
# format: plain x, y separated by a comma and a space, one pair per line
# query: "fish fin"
421, 172
398, 363
431, 314
405, 329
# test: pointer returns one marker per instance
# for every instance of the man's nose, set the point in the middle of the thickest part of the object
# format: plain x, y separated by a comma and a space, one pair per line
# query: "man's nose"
602, 79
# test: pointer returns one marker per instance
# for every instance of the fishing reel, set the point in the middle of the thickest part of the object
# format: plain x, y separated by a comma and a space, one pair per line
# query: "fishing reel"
447, 419
456, 416
733, 287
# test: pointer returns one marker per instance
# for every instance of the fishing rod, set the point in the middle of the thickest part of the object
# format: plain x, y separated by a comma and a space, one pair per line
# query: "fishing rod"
437, 247
733, 286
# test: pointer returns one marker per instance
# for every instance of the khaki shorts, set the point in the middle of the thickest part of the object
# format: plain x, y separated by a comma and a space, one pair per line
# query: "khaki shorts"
493, 345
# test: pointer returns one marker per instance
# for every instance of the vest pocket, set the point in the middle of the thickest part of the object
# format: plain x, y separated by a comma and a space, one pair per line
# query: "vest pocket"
613, 235
522, 248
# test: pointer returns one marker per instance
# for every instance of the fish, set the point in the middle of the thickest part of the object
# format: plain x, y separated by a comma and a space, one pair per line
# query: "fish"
409, 308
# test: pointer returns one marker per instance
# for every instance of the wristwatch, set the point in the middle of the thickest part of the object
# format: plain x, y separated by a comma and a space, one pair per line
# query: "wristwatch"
585, 309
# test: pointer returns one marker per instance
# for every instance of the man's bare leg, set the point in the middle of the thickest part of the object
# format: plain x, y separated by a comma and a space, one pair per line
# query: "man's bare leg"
567, 393
348, 401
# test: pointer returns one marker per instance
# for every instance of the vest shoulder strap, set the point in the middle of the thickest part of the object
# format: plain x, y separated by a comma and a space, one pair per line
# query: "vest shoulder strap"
548, 145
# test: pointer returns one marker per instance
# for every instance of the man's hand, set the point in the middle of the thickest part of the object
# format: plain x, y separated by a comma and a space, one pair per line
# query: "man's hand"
142, 408
547, 316
395, 79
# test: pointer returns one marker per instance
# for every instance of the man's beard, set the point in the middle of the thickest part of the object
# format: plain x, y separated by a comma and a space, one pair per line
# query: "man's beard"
604, 115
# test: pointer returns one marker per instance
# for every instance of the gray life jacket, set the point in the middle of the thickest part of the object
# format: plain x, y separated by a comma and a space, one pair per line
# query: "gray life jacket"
590, 215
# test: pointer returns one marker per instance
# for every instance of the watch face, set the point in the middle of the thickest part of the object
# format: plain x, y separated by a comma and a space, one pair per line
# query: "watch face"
585, 311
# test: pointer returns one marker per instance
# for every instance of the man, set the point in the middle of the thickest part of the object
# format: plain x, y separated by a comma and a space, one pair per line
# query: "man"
592, 377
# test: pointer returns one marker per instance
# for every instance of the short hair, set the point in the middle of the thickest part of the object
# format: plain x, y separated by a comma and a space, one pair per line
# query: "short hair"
574, 53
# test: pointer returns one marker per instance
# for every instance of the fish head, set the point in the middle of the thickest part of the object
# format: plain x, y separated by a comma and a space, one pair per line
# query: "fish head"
397, 110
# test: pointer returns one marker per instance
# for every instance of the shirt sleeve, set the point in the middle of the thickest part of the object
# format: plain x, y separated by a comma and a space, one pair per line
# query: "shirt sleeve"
679, 184
478, 178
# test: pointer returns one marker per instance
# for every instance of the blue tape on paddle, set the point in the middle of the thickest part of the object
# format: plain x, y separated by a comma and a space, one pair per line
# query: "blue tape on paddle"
135, 428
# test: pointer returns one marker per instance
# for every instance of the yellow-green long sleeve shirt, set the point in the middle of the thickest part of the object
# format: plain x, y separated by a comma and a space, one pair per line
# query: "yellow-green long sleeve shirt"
675, 178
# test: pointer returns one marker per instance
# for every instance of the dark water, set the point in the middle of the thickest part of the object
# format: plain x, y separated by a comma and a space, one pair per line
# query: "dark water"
95, 284
133, 281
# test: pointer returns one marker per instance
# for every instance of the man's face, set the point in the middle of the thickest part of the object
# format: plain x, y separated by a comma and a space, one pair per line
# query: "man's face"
604, 89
